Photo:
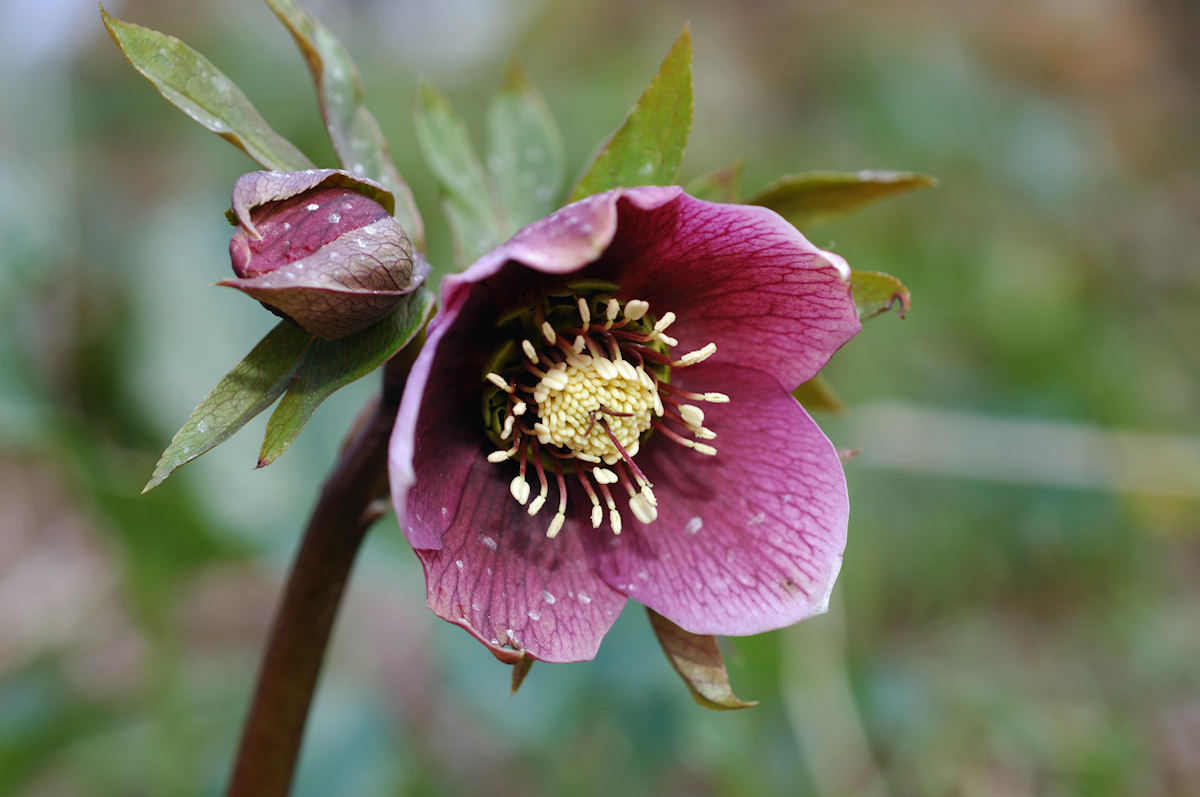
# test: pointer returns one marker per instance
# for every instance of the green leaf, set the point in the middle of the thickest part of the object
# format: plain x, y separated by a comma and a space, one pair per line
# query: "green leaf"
875, 292
476, 221
806, 198
244, 392
817, 394
190, 82
648, 147
333, 364
526, 157
723, 185
698, 661
357, 139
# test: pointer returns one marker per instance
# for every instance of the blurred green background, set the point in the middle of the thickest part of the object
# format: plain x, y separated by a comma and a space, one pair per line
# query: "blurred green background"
1018, 609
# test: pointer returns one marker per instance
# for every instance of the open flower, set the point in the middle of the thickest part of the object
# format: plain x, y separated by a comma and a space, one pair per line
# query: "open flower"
603, 411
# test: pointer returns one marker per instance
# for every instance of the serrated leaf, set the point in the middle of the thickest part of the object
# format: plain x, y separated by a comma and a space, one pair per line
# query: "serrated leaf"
818, 394
698, 661
875, 292
190, 82
722, 185
809, 197
476, 220
526, 156
333, 364
354, 131
244, 392
648, 147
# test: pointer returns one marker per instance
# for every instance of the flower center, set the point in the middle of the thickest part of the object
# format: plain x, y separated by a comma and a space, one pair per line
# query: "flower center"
581, 383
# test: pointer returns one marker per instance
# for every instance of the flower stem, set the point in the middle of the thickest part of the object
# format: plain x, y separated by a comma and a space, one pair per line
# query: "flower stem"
349, 503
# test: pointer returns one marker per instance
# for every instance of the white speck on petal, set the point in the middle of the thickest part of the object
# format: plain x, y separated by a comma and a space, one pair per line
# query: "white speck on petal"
584, 598
548, 597
458, 563
490, 542
694, 525
757, 519
314, 206
533, 615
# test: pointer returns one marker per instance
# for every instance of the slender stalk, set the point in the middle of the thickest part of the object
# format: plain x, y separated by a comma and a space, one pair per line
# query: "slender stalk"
287, 677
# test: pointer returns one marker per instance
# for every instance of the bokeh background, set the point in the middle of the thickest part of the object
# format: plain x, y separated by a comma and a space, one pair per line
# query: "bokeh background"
1018, 612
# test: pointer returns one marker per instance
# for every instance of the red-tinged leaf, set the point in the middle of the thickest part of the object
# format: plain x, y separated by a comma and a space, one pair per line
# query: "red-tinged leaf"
698, 661
810, 197
247, 390
818, 394
723, 185
357, 139
648, 147
190, 82
875, 292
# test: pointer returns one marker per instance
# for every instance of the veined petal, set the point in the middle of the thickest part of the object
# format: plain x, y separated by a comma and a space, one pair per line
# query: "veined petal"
748, 540
498, 576
738, 275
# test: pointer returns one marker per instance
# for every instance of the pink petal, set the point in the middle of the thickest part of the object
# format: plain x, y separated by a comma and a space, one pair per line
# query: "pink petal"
499, 577
749, 540
737, 275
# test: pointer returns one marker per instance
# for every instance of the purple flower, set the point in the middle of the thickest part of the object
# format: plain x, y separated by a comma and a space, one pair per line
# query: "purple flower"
603, 411
319, 248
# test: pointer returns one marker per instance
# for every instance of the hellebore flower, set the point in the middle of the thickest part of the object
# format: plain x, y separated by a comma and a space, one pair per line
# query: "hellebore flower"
603, 411
319, 248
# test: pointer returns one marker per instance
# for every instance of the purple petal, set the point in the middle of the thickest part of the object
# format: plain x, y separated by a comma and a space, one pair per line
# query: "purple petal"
737, 275
499, 577
438, 429
749, 540
258, 188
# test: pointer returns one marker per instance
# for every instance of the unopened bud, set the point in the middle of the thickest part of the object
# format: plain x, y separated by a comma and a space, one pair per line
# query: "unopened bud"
319, 248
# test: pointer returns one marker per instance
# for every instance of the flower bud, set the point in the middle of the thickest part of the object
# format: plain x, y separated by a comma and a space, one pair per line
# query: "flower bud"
319, 248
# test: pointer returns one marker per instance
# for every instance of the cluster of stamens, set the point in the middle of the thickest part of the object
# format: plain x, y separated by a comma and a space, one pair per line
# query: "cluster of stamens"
583, 382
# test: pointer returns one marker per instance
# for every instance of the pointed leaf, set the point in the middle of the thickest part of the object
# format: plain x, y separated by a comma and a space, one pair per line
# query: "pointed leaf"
806, 198
723, 185
817, 394
476, 221
247, 390
875, 292
333, 364
698, 661
526, 157
648, 147
189, 81
357, 139
520, 669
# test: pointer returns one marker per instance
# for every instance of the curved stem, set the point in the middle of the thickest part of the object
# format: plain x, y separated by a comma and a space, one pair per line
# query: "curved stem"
287, 677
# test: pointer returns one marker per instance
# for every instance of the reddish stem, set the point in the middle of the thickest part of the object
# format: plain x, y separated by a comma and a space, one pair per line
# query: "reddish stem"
287, 677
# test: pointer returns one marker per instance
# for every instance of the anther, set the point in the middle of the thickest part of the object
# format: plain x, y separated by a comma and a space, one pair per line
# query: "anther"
519, 408
642, 510
667, 319
556, 524
499, 382
501, 456
530, 352
519, 489
506, 432
548, 333
697, 356
535, 505
636, 308
692, 415
585, 313
604, 476
610, 312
